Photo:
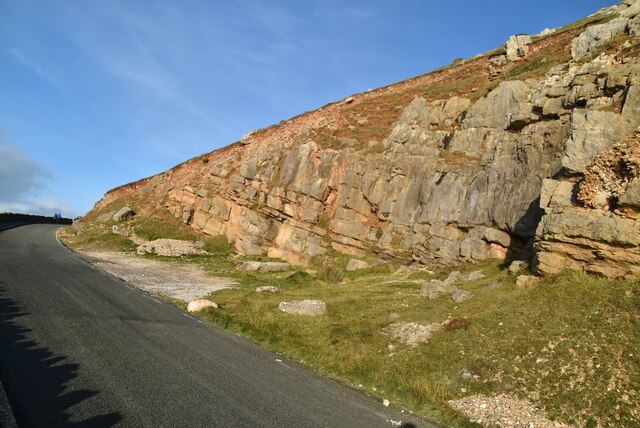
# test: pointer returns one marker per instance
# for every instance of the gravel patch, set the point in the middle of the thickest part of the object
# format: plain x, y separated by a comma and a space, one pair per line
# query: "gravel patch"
503, 411
176, 280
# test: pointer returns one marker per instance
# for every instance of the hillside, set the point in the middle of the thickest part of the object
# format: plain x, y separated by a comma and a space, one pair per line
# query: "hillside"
421, 209
450, 165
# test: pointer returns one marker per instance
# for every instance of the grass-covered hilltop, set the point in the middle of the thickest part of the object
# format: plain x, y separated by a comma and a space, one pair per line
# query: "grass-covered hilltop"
471, 236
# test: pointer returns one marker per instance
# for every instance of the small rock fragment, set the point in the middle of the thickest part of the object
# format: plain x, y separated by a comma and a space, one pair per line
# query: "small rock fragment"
461, 295
267, 289
199, 304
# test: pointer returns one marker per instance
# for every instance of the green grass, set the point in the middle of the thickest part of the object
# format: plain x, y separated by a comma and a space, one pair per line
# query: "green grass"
561, 344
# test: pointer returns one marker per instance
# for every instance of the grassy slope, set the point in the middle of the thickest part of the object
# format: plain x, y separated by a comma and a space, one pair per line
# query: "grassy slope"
570, 344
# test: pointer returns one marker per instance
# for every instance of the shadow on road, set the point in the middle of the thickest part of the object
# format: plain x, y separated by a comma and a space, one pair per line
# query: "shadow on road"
35, 379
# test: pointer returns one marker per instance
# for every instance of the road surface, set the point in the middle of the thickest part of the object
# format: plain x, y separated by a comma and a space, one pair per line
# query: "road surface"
79, 348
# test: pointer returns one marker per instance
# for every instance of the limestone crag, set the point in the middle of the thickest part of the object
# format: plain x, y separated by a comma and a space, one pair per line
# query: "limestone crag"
455, 176
594, 224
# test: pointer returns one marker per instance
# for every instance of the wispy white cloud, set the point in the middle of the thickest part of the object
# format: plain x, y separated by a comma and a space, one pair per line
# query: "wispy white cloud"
32, 65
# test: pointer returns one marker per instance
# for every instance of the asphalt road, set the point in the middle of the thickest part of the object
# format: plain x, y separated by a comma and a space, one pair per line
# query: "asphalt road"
81, 348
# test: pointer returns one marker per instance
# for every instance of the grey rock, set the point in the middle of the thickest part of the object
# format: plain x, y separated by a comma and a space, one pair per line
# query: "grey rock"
556, 194
106, 217
120, 231
503, 107
123, 214
494, 285
597, 35
453, 277
433, 294
631, 107
517, 266
262, 266
465, 375
412, 333
591, 133
634, 26
435, 287
170, 248
246, 138
475, 275
631, 197
355, 264
524, 281
516, 46
461, 296
267, 289
304, 307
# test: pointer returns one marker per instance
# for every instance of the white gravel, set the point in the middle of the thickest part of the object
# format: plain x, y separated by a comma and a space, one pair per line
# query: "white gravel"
176, 280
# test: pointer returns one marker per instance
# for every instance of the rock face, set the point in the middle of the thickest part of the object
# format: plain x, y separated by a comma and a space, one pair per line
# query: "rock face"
426, 169
599, 231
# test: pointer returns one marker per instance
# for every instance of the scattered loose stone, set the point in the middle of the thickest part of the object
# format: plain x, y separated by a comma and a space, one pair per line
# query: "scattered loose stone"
170, 247
461, 295
474, 276
465, 375
268, 289
106, 217
454, 276
517, 266
123, 214
355, 264
199, 304
411, 333
262, 266
435, 287
494, 285
524, 281
503, 411
120, 231
304, 307
394, 315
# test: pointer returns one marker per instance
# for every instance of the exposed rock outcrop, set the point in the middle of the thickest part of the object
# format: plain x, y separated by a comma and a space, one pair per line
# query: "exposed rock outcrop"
428, 169
598, 230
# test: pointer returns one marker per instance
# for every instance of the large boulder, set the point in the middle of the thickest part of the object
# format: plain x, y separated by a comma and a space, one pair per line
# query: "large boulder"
516, 46
123, 214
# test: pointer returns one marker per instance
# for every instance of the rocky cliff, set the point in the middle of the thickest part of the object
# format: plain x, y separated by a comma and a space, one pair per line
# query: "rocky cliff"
531, 142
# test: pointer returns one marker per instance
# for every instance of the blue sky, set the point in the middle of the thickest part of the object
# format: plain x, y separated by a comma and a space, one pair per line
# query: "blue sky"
96, 94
